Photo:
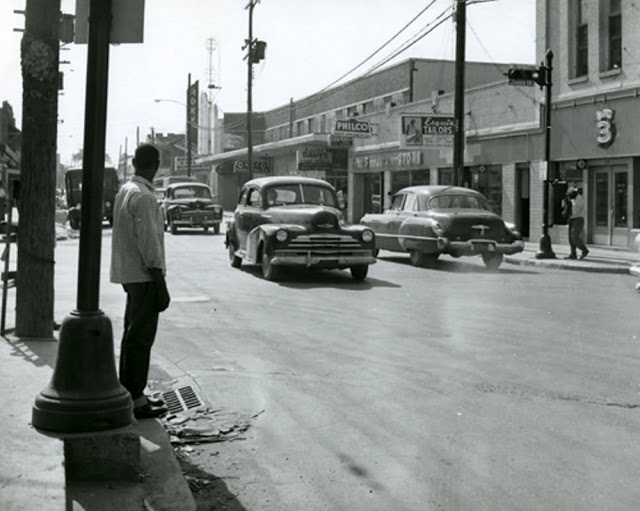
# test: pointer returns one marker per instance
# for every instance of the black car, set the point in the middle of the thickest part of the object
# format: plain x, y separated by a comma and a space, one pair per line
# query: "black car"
191, 205
295, 221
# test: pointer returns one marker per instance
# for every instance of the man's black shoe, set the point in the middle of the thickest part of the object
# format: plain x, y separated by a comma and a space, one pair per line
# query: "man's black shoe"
584, 254
147, 411
155, 401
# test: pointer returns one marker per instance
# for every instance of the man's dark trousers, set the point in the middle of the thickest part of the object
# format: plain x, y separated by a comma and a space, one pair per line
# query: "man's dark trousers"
140, 325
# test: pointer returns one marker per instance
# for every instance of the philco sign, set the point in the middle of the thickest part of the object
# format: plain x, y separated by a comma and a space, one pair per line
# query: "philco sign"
352, 128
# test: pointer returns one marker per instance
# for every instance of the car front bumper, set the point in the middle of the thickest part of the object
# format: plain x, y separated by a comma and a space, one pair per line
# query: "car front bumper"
315, 260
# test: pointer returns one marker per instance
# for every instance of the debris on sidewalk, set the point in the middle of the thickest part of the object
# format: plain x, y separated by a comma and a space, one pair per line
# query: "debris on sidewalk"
207, 426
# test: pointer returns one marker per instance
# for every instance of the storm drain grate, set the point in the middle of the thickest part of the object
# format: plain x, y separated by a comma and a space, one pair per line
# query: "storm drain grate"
182, 399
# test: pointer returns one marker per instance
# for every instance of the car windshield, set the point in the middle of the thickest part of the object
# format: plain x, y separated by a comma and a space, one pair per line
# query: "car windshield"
457, 201
192, 192
283, 195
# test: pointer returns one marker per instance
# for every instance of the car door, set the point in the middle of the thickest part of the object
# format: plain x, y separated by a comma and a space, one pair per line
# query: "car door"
389, 224
251, 215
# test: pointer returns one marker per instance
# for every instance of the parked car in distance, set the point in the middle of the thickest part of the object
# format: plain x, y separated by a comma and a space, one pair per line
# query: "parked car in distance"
427, 221
293, 221
191, 205
73, 185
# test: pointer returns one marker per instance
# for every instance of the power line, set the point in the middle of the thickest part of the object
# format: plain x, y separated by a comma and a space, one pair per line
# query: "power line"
380, 48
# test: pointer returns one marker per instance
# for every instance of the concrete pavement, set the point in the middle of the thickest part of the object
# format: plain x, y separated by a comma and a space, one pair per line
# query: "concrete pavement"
32, 471
601, 259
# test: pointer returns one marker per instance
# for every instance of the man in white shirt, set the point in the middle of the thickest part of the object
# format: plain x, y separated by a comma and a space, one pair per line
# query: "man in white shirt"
138, 263
576, 225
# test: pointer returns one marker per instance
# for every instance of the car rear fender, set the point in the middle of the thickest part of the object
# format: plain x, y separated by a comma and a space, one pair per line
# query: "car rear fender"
419, 234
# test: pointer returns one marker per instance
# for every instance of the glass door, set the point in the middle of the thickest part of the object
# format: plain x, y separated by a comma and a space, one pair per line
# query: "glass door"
610, 206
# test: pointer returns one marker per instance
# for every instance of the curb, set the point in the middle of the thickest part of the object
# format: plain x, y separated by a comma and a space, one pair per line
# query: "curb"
557, 265
635, 271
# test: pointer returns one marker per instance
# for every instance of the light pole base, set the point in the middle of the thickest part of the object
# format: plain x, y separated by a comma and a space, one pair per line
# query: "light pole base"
84, 394
545, 251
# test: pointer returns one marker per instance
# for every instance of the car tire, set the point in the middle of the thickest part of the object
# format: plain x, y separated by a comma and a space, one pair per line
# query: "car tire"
269, 271
233, 258
74, 224
416, 257
492, 261
173, 227
216, 229
359, 272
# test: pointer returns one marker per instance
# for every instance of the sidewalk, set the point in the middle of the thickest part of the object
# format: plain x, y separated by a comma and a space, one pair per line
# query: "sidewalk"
32, 474
601, 259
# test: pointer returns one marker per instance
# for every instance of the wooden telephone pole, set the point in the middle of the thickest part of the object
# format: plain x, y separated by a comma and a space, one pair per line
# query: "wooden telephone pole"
36, 205
458, 103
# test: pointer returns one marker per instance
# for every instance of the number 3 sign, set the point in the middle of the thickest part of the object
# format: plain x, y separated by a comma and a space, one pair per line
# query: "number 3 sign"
606, 129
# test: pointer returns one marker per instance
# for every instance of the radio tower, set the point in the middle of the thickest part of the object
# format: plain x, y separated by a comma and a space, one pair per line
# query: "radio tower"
212, 45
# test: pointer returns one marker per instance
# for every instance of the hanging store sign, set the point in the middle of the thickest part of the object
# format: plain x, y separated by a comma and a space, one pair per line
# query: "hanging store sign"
427, 131
352, 128
312, 158
260, 166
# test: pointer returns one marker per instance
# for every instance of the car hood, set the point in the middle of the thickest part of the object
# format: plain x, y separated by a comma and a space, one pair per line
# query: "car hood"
310, 217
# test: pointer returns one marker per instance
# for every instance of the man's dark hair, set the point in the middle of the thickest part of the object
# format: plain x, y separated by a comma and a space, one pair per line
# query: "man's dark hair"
146, 157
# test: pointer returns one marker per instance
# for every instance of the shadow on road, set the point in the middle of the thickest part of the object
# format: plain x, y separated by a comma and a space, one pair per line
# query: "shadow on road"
458, 266
209, 491
304, 278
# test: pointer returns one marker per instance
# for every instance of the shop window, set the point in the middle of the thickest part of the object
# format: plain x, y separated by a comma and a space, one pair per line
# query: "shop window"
621, 196
420, 177
489, 183
400, 180
581, 38
615, 34
445, 177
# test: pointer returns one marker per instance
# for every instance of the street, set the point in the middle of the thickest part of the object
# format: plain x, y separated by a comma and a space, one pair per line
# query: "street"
447, 388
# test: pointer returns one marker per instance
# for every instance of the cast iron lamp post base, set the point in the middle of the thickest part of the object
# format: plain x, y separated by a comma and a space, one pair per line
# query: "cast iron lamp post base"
84, 393
545, 251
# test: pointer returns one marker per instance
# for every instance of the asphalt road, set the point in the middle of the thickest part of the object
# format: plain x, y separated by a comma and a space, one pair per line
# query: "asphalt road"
453, 388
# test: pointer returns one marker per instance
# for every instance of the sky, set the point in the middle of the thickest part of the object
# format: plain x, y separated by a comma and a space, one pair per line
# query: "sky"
310, 45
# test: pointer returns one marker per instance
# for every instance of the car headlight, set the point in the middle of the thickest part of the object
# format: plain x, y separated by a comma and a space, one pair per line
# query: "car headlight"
367, 236
282, 235
437, 228
107, 204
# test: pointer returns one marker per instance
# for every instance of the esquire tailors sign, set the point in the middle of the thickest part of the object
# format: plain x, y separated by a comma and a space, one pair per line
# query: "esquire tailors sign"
427, 130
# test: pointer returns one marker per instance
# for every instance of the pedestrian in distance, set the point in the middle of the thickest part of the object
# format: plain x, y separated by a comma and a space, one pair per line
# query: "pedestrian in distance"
576, 224
138, 264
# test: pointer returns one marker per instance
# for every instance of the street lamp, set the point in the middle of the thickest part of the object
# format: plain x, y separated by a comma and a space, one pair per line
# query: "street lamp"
187, 132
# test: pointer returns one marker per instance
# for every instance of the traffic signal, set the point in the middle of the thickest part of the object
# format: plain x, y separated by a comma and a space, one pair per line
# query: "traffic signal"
257, 53
519, 76
67, 28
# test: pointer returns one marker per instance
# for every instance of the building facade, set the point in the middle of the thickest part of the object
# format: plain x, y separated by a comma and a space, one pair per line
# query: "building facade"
593, 143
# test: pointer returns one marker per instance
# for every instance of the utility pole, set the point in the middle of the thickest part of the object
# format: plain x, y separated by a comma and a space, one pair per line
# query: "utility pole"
545, 251
249, 45
126, 158
458, 106
36, 205
188, 132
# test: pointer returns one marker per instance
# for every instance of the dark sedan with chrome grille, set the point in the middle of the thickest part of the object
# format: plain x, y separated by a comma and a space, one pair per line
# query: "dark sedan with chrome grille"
427, 221
190, 204
295, 221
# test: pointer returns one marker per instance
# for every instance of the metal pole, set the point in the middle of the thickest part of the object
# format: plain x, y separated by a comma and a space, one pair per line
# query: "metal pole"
545, 251
188, 132
249, 92
458, 107
93, 157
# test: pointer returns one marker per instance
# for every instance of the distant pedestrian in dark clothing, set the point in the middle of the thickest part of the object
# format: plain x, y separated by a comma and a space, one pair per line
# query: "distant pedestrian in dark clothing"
576, 224
138, 263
